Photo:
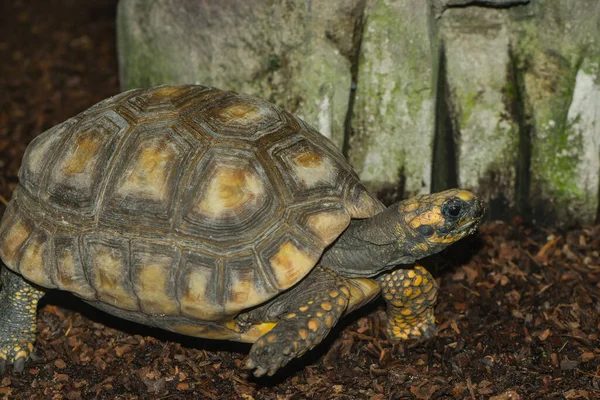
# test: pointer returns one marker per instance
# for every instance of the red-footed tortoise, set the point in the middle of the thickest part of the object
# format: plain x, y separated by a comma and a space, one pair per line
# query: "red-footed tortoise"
216, 215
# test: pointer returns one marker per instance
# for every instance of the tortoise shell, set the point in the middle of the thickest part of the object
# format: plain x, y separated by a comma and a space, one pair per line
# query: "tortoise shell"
179, 200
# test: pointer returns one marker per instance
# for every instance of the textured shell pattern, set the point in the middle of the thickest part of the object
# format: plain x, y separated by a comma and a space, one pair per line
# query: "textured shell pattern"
179, 200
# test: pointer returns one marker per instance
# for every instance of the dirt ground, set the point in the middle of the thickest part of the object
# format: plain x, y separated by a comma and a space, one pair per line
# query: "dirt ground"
518, 309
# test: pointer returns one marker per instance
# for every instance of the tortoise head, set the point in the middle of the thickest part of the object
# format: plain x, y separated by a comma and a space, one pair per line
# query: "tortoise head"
429, 223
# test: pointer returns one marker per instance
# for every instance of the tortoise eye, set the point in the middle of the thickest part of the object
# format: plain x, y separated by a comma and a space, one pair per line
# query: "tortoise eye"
452, 210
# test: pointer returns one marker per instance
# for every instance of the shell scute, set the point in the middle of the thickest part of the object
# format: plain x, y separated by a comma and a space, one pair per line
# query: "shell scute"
154, 267
146, 177
230, 200
78, 170
199, 286
106, 259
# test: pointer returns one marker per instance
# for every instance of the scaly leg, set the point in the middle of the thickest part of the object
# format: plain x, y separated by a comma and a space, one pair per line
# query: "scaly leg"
410, 296
18, 305
306, 314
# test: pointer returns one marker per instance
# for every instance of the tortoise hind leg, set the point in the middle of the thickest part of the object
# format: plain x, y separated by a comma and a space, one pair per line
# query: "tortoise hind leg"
18, 305
410, 296
306, 314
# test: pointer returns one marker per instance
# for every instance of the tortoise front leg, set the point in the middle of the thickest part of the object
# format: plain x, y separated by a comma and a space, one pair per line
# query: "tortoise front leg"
305, 316
410, 296
18, 305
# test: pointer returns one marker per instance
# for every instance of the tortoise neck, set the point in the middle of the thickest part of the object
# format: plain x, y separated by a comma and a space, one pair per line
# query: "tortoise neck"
367, 247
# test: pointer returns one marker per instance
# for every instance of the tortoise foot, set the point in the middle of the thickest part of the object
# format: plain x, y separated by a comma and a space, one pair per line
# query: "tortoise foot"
410, 296
18, 304
402, 329
15, 353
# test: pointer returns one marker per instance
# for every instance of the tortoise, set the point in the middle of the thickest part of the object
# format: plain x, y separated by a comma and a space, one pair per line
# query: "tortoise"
216, 215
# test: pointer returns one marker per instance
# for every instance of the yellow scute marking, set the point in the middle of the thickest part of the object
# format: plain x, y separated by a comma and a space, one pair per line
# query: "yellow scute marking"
151, 288
194, 301
230, 189
149, 173
311, 168
328, 225
290, 264
167, 91
109, 273
65, 268
241, 113
244, 294
32, 262
86, 146
69, 277
13, 239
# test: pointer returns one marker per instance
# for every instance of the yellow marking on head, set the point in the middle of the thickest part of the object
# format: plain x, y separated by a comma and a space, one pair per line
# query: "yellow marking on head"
303, 308
86, 147
230, 189
303, 334
149, 172
151, 286
410, 206
314, 324
290, 264
408, 292
290, 316
13, 239
311, 168
326, 306
110, 272
433, 218
465, 195
334, 293
411, 274
328, 225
